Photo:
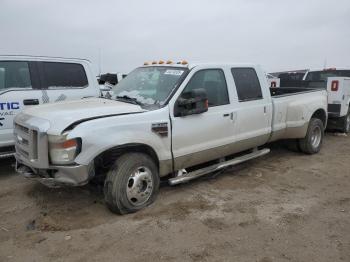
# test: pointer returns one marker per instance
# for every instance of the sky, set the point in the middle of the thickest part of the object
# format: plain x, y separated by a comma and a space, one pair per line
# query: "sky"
117, 36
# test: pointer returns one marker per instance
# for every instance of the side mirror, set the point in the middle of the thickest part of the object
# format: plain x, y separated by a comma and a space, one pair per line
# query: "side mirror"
191, 102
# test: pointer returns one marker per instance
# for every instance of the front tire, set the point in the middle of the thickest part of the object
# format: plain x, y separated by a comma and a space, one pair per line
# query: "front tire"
131, 184
312, 142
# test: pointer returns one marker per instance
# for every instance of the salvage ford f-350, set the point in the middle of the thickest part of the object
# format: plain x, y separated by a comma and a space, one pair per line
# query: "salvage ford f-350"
165, 120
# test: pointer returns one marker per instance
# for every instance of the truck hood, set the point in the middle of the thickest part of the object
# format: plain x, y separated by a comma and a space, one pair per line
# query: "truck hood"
63, 114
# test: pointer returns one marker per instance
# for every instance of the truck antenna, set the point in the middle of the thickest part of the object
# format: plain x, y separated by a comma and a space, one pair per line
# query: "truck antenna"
325, 63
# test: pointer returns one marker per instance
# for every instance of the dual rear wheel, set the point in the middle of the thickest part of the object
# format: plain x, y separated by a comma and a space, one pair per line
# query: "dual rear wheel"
312, 142
346, 123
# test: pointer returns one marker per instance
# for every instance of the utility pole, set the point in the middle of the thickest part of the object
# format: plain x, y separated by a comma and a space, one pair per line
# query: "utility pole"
99, 61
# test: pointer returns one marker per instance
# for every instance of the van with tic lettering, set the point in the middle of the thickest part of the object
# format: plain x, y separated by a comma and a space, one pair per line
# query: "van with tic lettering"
27, 81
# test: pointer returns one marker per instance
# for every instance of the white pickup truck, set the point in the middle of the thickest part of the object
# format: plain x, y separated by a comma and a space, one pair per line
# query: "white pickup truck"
170, 121
27, 80
337, 83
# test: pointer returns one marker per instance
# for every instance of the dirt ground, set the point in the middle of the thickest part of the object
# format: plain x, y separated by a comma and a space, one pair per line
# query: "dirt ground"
285, 206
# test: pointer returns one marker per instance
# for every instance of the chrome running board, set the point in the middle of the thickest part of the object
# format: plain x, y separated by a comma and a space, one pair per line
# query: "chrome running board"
200, 172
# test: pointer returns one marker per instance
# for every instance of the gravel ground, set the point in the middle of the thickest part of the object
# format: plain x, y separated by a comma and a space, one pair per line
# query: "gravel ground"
285, 206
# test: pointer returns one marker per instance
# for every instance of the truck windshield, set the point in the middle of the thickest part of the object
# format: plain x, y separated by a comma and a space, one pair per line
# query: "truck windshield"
323, 75
149, 86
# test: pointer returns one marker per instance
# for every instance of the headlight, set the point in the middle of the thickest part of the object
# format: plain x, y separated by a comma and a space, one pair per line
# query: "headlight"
63, 151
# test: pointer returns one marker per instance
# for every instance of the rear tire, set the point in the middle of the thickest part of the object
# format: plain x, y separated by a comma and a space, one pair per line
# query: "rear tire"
131, 184
346, 123
312, 142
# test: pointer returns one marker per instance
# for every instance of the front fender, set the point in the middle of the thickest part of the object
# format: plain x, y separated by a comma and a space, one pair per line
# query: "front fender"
95, 145
101, 135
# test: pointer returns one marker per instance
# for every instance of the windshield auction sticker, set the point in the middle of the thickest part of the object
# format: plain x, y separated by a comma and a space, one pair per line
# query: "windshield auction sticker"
173, 72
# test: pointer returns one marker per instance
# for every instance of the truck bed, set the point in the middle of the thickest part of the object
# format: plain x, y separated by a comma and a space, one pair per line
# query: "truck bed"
289, 103
288, 91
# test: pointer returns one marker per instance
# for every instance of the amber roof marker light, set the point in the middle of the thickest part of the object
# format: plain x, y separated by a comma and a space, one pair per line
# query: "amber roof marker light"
183, 62
168, 62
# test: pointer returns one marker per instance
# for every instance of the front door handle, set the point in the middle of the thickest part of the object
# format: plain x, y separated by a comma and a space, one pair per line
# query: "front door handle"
30, 102
232, 115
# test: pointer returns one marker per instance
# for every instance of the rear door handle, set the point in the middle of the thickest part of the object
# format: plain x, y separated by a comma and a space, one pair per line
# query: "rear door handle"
226, 115
30, 102
233, 116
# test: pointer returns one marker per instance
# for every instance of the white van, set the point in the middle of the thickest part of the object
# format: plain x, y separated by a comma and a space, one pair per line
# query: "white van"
28, 81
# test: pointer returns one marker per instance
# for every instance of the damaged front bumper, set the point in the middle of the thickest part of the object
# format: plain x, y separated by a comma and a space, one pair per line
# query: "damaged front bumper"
56, 176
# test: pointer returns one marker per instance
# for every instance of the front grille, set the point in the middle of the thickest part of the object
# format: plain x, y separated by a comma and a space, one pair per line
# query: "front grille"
31, 141
26, 142
22, 128
23, 152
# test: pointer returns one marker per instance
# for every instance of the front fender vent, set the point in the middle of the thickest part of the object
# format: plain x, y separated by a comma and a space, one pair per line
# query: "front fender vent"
161, 129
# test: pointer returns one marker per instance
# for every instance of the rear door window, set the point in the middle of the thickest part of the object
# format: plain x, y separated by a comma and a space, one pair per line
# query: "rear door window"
247, 84
63, 75
14, 74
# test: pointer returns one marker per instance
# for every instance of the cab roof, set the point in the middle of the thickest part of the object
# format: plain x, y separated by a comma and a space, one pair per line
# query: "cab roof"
43, 58
329, 69
193, 65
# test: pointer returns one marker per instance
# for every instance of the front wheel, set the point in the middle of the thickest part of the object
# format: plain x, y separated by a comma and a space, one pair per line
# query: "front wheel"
312, 142
131, 184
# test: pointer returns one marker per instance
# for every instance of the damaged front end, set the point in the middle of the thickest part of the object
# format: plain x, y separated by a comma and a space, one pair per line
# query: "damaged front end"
57, 176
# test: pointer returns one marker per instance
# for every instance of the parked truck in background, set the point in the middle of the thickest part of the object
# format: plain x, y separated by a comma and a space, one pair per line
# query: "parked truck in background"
273, 81
337, 83
108, 81
292, 78
26, 81
169, 121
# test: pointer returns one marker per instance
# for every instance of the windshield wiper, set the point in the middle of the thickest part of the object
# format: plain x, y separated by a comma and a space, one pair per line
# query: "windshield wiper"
129, 99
